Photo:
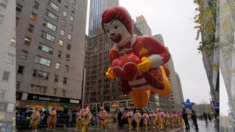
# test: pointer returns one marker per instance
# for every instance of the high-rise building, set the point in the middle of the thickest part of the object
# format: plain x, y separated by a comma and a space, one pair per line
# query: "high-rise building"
50, 53
211, 61
143, 25
97, 7
176, 97
99, 90
7, 54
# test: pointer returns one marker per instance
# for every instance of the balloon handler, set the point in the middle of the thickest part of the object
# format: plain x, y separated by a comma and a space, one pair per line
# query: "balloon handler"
103, 116
137, 60
137, 118
85, 113
79, 119
130, 118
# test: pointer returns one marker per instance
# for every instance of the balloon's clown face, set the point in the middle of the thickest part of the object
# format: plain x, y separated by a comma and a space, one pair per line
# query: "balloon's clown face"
117, 32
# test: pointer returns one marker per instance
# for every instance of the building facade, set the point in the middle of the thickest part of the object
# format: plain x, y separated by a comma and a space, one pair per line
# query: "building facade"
7, 67
143, 25
50, 53
97, 7
174, 101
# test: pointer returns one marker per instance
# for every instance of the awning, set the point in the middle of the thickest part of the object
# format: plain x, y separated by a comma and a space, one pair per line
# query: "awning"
113, 109
122, 108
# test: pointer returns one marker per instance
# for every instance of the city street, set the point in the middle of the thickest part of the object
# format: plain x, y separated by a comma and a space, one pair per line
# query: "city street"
203, 127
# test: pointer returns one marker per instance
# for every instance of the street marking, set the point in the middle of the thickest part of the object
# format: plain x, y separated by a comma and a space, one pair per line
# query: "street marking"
176, 129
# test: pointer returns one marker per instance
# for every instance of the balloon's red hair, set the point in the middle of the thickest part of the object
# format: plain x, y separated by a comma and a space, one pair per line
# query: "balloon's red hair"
120, 13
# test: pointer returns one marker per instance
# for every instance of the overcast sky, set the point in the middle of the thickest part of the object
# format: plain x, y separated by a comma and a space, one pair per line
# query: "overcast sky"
174, 20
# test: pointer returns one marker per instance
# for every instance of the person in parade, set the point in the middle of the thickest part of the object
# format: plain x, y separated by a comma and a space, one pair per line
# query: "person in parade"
157, 121
180, 118
79, 119
52, 119
137, 118
130, 118
185, 117
85, 114
161, 117
194, 118
173, 119
103, 118
146, 119
176, 119
35, 117
189, 117
111, 118
152, 117
167, 117
107, 118
170, 119
98, 119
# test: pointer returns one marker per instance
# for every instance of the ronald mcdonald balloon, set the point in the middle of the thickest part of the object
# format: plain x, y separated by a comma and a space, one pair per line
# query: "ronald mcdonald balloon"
137, 60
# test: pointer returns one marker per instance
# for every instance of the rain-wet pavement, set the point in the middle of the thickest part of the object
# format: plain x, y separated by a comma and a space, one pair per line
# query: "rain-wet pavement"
202, 125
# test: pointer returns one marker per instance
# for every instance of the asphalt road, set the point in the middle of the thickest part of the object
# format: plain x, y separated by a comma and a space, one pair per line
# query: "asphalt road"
202, 125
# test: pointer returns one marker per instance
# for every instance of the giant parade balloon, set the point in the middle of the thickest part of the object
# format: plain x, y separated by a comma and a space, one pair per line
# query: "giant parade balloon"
137, 60
188, 104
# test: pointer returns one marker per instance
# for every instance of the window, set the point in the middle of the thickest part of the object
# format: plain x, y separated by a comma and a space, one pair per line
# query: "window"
35, 5
69, 36
5, 75
63, 22
65, 13
33, 16
54, 91
20, 69
71, 27
67, 57
59, 1
114, 84
1, 18
59, 54
45, 48
57, 66
56, 78
2, 94
47, 36
62, 32
69, 46
13, 42
51, 15
19, 7
74, 2
43, 61
65, 80
3, 3
66, 68
61, 43
30, 28
64, 93
40, 74
10, 58
17, 19
72, 10
71, 18
66, 5
24, 55
27, 40
37, 89
49, 25
53, 5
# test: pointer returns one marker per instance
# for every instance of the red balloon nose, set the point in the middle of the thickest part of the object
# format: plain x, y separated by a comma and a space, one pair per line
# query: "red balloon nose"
112, 34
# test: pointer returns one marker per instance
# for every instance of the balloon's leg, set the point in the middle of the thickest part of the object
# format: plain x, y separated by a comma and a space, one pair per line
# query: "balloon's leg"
140, 97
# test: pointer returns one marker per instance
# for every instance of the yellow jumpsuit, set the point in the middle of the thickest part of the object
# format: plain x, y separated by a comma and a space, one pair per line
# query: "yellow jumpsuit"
52, 119
35, 120
103, 117
137, 119
86, 117
79, 120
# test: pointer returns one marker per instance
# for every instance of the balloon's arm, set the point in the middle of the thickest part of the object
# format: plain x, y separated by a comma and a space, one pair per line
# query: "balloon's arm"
158, 53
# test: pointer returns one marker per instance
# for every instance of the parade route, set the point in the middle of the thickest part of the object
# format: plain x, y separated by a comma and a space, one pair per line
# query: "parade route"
203, 127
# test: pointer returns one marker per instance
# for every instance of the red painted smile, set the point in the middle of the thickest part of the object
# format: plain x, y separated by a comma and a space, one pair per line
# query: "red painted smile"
117, 38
